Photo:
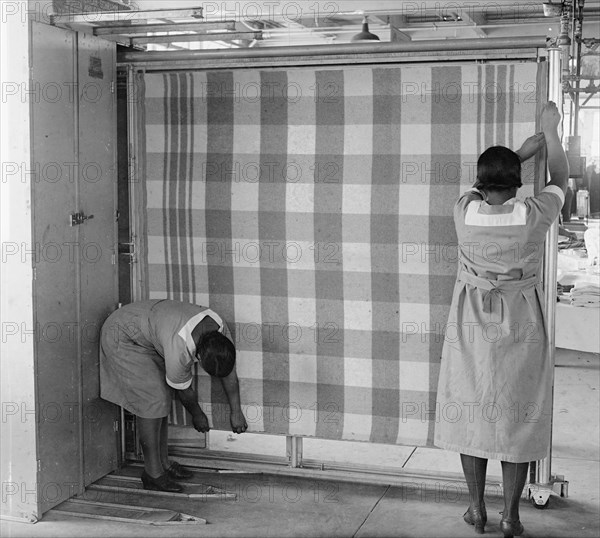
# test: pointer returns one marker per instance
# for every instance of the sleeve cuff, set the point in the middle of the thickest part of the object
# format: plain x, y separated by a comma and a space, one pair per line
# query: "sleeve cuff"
179, 386
556, 190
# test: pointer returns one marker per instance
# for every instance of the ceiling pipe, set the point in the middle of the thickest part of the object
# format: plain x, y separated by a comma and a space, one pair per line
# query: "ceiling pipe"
127, 57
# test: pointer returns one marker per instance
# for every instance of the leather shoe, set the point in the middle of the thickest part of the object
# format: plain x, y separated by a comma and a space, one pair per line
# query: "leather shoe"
160, 483
179, 472
476, 516
511, 528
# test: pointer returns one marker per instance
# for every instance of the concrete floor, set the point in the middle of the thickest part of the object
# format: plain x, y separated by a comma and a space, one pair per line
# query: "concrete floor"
270, 505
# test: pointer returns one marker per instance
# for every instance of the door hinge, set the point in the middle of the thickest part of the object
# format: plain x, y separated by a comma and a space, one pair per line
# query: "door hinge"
39, 466
116, 425
112, 86
128, 249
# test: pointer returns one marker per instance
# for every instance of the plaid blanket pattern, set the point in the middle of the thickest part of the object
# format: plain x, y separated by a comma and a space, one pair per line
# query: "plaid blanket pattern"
312, 208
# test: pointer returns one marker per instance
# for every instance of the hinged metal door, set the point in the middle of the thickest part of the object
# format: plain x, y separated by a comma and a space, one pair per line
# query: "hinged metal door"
74, 136
55, 256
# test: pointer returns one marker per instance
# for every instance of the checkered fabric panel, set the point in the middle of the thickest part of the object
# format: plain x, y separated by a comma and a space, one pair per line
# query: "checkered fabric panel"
312, 208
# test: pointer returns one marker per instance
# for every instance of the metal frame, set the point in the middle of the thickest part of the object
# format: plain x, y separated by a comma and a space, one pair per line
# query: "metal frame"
415, 52
166, 27
412, 481
547, 484
133, 27
132, 176
119, 17
387, 52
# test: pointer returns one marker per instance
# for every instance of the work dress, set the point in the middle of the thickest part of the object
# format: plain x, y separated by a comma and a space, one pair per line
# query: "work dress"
146, 350
494, 396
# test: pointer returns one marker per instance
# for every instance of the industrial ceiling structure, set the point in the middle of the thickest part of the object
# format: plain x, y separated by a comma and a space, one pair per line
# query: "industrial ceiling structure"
194, 24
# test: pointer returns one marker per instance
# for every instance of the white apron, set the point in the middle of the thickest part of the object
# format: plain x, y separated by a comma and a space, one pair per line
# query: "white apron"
494, 395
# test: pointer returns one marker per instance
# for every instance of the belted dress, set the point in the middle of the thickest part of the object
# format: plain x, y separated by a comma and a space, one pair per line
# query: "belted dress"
147, 349
494, 397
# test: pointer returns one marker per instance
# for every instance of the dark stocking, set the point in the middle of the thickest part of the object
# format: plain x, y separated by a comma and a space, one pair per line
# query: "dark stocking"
475, 469
514, 476
164, 443
149, 430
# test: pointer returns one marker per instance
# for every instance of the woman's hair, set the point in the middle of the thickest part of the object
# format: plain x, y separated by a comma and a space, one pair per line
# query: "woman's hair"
498, 169
216, 353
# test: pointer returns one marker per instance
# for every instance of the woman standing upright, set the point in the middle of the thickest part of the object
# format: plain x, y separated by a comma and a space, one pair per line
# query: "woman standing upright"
495, 387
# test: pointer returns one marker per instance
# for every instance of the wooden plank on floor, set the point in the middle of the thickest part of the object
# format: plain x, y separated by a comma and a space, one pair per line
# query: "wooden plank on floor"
132, 469
128, 484
126, 513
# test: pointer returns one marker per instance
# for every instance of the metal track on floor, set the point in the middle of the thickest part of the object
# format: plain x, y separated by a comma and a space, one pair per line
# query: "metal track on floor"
123, 482
421, 480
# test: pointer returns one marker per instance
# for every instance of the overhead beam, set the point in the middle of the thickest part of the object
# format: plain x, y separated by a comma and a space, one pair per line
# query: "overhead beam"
396, 22
166, 27
376, 47
186, 38
107, 17
475, 19
376, 18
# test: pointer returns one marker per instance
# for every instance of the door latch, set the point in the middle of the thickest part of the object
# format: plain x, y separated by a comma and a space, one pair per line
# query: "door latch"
79, 218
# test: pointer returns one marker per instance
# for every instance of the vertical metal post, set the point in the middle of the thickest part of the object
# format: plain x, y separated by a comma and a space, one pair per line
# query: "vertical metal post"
550, 255
294, 450
578, 24
122, 425
133, 177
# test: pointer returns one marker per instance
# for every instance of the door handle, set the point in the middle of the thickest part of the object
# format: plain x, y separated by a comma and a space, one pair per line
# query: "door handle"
79, 218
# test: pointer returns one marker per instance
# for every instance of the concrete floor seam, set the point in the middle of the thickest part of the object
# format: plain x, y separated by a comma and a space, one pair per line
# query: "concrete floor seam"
371, 511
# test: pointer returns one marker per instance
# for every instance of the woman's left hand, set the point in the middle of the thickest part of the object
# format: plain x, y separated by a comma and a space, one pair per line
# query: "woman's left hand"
531, 146
238, 422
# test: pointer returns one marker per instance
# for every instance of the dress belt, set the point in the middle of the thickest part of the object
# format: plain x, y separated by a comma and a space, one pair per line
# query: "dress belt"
495, 287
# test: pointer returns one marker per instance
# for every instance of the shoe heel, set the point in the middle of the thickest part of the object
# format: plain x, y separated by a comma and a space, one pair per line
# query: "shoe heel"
147, 482
476, 517
162, 483
511, 528
507, 532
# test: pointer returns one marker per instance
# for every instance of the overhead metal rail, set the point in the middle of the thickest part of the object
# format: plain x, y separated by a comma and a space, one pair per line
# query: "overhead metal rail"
372, 52
137, 29
106, 18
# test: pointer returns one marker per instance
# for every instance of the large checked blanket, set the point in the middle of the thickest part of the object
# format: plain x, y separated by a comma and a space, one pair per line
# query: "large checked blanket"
312, 209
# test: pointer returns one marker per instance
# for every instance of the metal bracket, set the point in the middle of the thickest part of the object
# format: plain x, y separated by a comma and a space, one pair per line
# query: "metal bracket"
294, 450
128, 249
539, 494
79, 218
